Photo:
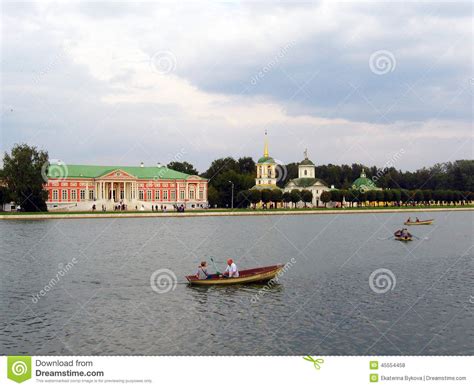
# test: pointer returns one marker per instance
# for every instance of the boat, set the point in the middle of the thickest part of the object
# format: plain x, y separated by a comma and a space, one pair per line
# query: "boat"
424, 222
398, 236
253, 275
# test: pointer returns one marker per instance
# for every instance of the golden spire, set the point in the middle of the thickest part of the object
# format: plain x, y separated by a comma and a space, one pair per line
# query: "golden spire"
265, 149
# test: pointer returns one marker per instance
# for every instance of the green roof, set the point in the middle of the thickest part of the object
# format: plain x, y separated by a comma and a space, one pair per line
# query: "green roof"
306, 162
364, 183
306, 182
87, 171
266, 159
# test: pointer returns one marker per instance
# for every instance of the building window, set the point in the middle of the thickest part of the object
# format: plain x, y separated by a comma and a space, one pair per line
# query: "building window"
73, 195
165, 195
191, 194
64, 195
269, 182
122, 194
140, 195
181, 195
55, 195
148, 195
305, 172
91, 195
173, 195
82, 194
157, 195
201, 194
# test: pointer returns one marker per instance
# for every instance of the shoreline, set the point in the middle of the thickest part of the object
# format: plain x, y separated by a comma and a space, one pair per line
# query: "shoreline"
224, 213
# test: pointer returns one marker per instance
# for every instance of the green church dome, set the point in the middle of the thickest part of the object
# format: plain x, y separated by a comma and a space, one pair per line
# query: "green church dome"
266, 159
306, 162
364, 183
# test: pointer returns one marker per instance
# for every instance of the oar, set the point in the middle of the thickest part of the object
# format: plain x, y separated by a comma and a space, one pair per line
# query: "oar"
215, 267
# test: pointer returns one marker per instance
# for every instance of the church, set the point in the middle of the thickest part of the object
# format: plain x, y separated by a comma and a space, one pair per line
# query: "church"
268, 174
307, 181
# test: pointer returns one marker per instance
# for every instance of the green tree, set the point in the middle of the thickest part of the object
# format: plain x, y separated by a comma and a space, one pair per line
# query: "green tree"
286, 197
306, 197
371, 196
246, 165
212, 196
243, 199
255, 196
220, 166
24, 173
184, 167
325, 197
277, 196
266, 196
295, 196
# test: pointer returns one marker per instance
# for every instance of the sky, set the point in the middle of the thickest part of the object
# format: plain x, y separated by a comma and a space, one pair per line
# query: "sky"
121, 83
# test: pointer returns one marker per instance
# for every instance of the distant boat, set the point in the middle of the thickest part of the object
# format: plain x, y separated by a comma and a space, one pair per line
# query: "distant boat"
424, 222
253, 275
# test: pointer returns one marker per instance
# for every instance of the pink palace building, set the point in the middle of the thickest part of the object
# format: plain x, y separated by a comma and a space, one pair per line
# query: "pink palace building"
79, 187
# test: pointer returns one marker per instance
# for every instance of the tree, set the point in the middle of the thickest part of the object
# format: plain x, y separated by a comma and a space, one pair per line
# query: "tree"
371, 196
388, 196
277, 196
266, 196
286, 197
306, 196
255, 196
212, 196
325, 197
246, 165
243, 199
184, 167
220, 166
295, 196
380, 196
25, 173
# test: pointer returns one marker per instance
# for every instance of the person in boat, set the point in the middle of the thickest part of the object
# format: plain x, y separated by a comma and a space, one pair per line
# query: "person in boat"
417, 219
409, 219
231, 270
202, 272
404, 233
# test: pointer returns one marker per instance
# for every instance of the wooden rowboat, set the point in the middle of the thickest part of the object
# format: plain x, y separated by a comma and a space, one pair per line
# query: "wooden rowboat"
253, 275
398, 236
425, 222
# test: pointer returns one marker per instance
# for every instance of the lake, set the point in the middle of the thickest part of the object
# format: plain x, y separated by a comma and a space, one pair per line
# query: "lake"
82, 287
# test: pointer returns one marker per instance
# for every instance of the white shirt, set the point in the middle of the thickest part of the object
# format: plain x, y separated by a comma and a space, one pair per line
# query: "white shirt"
232, 270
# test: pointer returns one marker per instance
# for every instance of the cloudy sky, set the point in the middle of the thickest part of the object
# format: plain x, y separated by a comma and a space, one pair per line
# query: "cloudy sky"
125, 82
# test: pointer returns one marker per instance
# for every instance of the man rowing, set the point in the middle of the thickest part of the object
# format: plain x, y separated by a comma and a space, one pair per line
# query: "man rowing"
231, 270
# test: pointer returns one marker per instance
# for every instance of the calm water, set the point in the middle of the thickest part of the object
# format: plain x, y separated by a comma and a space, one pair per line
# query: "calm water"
323, 304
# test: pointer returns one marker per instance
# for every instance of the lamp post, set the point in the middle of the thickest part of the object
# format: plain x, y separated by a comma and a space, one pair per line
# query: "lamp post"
232, 199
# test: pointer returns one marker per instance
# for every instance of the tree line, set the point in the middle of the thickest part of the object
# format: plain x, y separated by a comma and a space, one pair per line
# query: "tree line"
23, 172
